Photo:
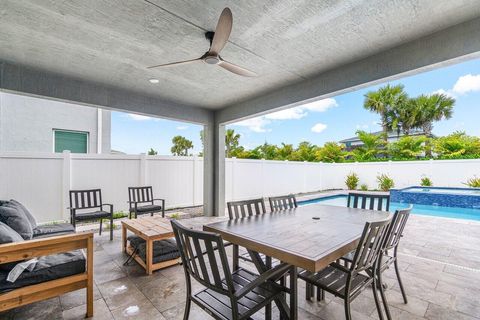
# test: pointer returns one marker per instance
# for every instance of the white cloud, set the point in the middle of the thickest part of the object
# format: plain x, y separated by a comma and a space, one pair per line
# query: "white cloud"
138, 117
258, 124
255, 124
302, 111
319, 127
293, 113
182, 127
467, 83
320, 105
448, 93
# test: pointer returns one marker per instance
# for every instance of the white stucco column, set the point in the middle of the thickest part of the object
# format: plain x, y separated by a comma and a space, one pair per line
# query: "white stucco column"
214, 170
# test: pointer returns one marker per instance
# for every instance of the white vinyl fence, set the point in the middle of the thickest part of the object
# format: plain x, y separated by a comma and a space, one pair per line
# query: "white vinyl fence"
42, 181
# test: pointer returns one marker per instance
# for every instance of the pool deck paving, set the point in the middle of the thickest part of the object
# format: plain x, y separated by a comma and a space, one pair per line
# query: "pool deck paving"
439, 260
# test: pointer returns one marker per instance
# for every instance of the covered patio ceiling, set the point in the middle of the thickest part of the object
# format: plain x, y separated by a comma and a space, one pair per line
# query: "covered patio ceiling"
97, 52
291, 45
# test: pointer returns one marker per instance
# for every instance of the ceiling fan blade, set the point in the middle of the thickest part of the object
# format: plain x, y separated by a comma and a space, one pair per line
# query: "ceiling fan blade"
236, 69
175, 63
222, 32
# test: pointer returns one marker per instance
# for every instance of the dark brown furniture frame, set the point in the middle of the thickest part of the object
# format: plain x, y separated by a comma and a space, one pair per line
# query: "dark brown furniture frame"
282, 203
81, 204
370, 201
45, 290
204, 259
141, 201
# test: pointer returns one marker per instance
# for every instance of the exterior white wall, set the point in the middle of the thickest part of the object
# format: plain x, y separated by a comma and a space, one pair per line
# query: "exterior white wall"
42, 180
27, 123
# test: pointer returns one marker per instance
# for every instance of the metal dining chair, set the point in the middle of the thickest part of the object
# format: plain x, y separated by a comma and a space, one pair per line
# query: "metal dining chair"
282, 203
348, 283
370, 201
244, 209
141, 201
226, 295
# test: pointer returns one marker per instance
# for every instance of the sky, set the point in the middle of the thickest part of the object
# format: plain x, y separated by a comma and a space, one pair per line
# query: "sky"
331, 119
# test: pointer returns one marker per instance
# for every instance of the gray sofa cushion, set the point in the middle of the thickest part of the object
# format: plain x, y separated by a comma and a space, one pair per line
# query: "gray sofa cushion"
13, 216
163, 250
47, 268
8, 235
27, 213
50, 230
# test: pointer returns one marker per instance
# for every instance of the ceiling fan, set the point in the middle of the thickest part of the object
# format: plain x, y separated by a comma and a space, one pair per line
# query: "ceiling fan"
217, 39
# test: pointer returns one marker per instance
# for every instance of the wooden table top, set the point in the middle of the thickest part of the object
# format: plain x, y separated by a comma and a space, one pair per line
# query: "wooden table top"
150, 228
293, 236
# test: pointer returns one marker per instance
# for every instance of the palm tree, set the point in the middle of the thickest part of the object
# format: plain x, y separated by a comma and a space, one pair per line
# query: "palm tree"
232, 140
432, 108
384, 101
181, 145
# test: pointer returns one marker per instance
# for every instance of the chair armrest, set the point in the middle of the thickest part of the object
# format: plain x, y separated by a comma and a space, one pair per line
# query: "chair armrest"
163, 200
17, 251
267, 275
108, 204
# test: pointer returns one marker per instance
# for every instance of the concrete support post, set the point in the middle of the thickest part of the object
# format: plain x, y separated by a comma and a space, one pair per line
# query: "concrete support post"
66, 184
214, 169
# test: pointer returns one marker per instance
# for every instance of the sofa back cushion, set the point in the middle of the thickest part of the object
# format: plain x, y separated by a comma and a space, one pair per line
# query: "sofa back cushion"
13, 216
27, 213
8, 235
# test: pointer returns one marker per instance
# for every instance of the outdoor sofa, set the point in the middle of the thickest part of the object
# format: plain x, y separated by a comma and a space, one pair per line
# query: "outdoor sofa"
56, 263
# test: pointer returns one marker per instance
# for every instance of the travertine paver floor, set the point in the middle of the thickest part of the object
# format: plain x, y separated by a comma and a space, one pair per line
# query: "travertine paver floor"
440, 262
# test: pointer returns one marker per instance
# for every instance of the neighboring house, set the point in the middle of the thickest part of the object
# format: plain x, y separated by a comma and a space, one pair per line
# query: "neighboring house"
355, 142
32, 124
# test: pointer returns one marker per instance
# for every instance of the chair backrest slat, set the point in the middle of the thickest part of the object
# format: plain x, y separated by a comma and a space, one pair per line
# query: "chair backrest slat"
203, 255
380, 202
85, 199
371, 245
282, 203
245, 208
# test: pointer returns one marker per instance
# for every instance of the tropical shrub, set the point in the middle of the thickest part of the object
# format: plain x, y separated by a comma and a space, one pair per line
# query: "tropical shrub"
364, 187
473, 182
331, 152
352, 181
426, 182
457, 145
385, 183
407, 147
372, 146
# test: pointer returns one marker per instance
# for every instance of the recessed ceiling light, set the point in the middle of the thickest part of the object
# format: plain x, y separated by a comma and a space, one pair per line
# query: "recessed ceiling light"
154, 80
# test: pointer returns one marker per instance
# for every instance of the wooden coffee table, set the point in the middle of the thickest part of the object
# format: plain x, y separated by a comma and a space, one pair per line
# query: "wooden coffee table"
150, 229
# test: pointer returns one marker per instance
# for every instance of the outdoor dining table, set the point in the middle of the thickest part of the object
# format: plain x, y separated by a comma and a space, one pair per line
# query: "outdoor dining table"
309, 237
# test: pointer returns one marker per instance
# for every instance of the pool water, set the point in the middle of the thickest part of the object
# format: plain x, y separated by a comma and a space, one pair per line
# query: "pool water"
422, 209
461, 191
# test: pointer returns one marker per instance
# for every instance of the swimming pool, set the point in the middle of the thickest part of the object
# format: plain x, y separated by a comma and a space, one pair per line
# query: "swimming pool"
422, 209
438, 196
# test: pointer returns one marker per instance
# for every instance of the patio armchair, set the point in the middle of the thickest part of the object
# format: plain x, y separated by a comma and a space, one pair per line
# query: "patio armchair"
87, 205
226, 295
61, 268
282, 203
348, 283
141, 201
